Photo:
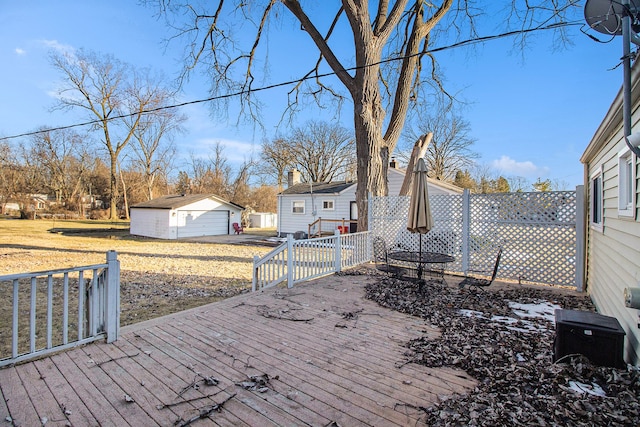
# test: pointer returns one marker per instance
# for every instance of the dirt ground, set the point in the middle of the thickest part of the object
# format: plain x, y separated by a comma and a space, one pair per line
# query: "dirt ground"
158, 277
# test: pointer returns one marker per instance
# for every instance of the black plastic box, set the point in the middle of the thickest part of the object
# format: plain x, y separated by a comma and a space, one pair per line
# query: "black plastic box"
600, 338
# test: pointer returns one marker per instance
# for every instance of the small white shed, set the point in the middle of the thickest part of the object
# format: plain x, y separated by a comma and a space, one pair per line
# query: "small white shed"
184, 215
263, 220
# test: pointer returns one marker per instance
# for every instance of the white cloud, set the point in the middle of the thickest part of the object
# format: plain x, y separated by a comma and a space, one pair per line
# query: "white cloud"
20, 51
59, 47
508, 166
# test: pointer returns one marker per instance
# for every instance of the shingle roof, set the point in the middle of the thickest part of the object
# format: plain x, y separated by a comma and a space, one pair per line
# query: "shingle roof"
175, 201
319, 187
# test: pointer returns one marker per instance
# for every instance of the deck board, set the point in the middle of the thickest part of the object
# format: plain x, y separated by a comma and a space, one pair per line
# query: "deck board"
330, 354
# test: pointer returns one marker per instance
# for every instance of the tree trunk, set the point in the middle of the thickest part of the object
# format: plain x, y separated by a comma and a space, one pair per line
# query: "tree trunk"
113, 187
419, 150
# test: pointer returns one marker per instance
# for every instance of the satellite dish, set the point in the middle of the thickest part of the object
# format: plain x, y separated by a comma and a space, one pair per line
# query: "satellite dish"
605, 16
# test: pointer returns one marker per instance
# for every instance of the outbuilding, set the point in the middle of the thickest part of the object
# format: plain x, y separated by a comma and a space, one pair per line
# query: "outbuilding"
184, 215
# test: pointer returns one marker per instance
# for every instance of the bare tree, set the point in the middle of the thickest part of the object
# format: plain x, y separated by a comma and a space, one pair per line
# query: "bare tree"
277, 158
10, 179
154, 150
63, 159
321, 151
450, 149
112, 94
380, 91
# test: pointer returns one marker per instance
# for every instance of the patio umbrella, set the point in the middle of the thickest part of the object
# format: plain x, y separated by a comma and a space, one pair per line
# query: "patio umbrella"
420, 219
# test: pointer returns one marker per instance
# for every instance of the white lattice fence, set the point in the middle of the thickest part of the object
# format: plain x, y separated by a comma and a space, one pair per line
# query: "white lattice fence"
537, 232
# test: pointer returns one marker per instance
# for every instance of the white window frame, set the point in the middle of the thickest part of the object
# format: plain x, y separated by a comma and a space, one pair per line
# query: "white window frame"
327, 201
293, 207
626, 183
596, 199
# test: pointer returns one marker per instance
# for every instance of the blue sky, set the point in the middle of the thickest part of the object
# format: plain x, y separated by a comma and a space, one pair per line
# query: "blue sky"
531, 115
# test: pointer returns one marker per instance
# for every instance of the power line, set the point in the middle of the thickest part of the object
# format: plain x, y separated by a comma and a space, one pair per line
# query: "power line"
315, 76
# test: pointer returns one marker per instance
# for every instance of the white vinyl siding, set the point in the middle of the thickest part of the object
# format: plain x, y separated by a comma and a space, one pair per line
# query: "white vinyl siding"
150, 223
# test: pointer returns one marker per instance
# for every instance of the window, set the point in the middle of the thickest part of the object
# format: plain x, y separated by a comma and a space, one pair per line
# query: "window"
596, 208
297, 207
626, 179
327, 205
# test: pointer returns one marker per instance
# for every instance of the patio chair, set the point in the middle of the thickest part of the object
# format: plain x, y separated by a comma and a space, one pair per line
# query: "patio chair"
237, 228
472, 280
381, 258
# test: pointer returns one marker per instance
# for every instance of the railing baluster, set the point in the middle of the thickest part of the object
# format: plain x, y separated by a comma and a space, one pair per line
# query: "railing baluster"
14, 341
65, 308
32, 317
80, 305
49, 310
93, 304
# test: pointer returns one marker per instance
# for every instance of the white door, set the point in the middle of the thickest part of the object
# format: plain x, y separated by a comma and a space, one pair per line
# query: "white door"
202, 223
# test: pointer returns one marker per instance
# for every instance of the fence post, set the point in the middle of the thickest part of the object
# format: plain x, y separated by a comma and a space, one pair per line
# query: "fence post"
338, 257
466, 225
289, 260
581, 241
112, 300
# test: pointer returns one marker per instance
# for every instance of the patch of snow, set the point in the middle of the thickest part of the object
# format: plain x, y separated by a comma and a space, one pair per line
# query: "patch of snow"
544, 310
593, 389
541, 310
472, 313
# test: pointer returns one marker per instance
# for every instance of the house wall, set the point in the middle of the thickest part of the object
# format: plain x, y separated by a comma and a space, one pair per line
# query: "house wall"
614, 253
151, 223
613, 250
290, 223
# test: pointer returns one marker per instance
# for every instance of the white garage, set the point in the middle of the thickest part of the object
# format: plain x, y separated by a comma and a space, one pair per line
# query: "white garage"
184, 215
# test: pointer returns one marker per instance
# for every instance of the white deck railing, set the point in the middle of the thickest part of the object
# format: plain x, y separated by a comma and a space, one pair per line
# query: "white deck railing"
60, 309
298, 260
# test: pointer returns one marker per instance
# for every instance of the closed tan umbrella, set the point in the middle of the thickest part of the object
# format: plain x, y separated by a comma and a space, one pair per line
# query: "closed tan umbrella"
420, 219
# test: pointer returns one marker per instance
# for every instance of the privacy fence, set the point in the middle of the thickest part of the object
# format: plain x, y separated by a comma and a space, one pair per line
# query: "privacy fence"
538, 231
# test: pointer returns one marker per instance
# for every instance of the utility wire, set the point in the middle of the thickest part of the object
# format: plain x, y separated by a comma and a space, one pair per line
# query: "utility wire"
315, 76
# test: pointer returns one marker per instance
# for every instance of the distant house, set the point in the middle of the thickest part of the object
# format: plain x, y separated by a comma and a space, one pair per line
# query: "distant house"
612, 225
301, 204
185, 215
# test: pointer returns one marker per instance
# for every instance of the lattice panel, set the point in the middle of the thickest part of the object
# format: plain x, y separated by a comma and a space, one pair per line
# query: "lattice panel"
536, 230
389, 216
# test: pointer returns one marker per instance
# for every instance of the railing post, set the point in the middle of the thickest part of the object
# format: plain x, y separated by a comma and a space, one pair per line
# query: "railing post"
338, 257
254, 279
112, 300
289, 260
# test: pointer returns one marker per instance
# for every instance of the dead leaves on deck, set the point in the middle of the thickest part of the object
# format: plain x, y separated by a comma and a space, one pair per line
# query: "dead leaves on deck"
518, 382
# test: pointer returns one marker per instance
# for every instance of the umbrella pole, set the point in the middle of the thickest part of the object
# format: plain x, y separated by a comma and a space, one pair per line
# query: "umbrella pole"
420, 258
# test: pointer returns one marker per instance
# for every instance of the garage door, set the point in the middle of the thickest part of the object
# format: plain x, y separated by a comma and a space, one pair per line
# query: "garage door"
202, 223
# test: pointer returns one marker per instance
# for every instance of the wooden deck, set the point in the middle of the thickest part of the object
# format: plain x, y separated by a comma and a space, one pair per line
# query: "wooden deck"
318, 354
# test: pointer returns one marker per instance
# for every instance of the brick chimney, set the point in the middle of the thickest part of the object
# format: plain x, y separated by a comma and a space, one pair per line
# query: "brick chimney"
293, 178
393, 164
